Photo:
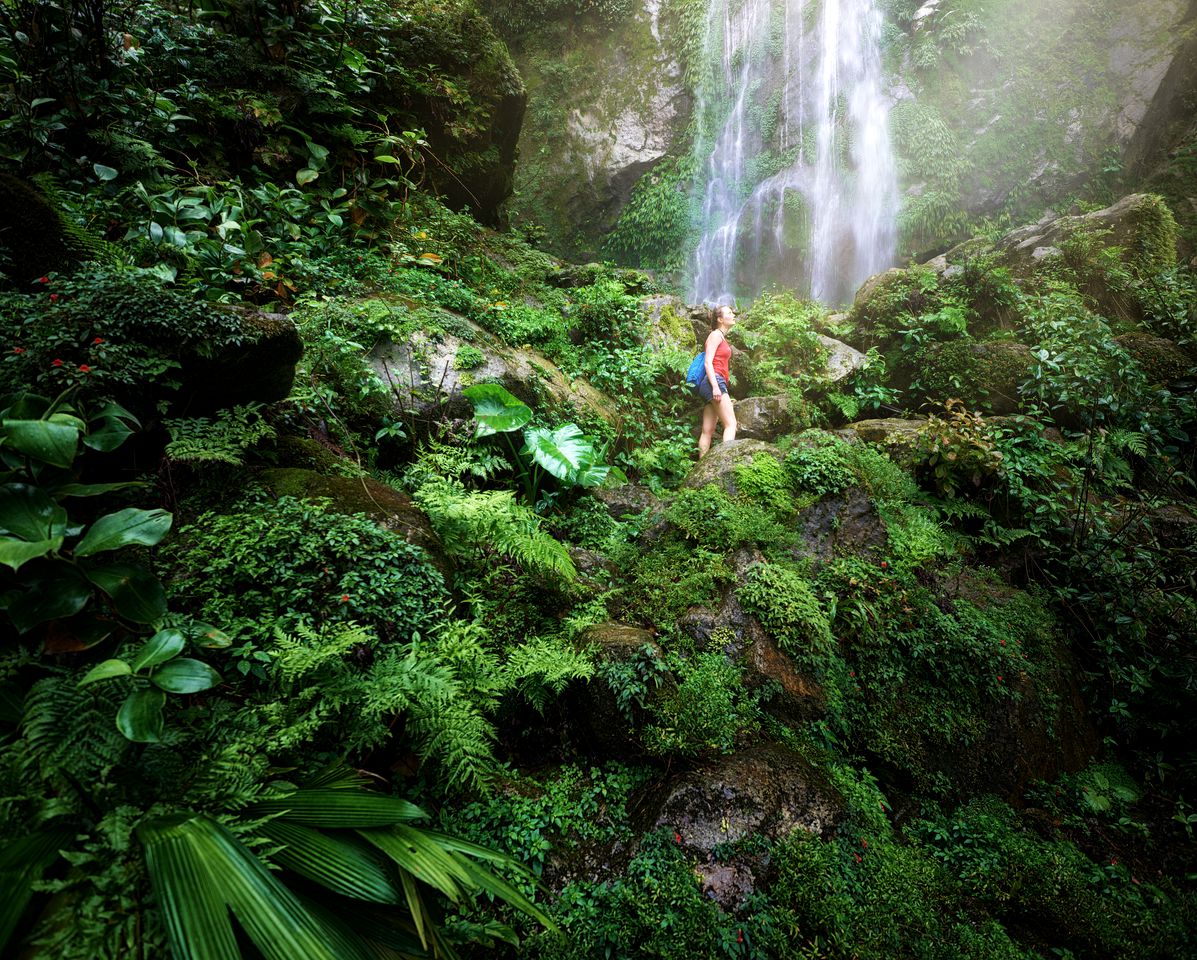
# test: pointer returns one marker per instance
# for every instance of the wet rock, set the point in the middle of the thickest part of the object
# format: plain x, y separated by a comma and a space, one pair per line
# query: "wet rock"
766, 791
985, 375
843, 524
667, 325
628, 500
842, 360
719, 465
260, 369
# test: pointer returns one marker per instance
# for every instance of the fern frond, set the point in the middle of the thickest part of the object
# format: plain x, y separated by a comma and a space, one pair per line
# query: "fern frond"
542, 668
223, 440
474, 523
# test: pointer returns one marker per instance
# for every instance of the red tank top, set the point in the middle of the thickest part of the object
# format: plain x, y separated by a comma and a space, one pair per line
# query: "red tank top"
721, 359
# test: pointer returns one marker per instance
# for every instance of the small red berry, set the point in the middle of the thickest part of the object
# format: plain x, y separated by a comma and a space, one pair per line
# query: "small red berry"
53, 298
344, 598
84, 368
739, 936
56, 363
1000, 678
677, 837
18, 349
884, 565
97, 341
43, 279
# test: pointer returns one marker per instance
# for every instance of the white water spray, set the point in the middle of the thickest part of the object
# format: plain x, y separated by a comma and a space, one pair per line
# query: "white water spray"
798, 186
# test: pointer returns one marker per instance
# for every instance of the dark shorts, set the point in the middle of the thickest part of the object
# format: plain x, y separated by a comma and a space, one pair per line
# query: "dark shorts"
704, 387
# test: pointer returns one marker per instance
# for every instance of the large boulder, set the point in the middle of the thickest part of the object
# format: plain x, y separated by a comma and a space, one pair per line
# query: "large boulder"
842, 524
767, 791
599, 723
986, 375
1163, 361
763, 418
719, 465
667, 324
427, 376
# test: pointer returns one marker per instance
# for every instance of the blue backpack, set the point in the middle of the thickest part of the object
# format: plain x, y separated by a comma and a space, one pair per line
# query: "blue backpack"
697, 372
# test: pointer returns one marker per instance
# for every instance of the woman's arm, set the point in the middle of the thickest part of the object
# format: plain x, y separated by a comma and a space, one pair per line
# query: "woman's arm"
713, 340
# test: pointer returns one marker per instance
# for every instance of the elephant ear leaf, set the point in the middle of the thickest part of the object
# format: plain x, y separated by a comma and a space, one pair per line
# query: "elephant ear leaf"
124, 528
566, 454
496, 410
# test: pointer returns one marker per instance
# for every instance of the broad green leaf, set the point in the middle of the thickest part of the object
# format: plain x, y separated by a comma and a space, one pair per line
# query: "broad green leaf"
417, 852
52, 443
200, 871
136, 593
306, 176
162, 646
207, 636
563, 452
124, 528
106, 671
338, 863
108, 437
140, 716
496, 410
103, 172
28, 512
94, 489
49, 598
185, 676
22, 863
16, 553
386, 158
333, 807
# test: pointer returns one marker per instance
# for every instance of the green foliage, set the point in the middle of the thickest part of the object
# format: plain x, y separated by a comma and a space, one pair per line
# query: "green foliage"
766, 482
818, 464
958, 450
710, 518
707, 710
665, 581
222, 439
290, 561
478, 525
654, 225
786, 352
788, 608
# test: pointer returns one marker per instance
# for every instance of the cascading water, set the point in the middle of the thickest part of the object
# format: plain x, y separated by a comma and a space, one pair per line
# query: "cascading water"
798, 186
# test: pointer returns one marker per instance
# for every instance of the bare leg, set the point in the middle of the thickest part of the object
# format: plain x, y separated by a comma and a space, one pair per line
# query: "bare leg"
727, 414
709, 418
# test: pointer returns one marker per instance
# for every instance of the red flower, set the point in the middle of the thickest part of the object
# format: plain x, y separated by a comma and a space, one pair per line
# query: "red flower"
344, 598
56, 363
18, 349
739, 936
858, 857
43, 279
864, 842
53, 298
1000, 678
1113, 861
851, 673
84, 368
1003, 642
677, 837
884, 565
97, 341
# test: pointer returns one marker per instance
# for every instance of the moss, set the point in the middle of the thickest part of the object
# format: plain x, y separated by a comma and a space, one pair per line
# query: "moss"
984, 375
39, 237
1162, 360
884, 302
1156, 235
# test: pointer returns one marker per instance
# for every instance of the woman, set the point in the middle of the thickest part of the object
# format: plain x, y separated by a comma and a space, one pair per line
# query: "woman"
713, 388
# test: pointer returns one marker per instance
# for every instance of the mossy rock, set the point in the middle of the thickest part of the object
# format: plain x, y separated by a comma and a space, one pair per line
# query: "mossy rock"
985, 375
884, 299
37, 237
1163, 361
390, 508
259, 369
718, 467
897, 436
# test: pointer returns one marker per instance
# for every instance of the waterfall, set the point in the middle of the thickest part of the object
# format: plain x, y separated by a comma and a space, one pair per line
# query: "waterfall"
797, 184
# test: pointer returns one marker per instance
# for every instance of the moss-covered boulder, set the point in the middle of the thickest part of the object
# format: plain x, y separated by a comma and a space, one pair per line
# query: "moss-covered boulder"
896, 435
36, 236
1163, 361
763, 418
985, 375
260, 367
426, 374
842, 524
390, 508
1140, 224
595, 716
667, 324
718, 467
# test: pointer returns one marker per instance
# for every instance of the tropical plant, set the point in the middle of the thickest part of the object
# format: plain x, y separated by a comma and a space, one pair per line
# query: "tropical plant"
564, 453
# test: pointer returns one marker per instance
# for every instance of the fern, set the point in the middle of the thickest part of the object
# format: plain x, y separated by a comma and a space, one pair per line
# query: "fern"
474, 524
542, 668
68, 730
223, 440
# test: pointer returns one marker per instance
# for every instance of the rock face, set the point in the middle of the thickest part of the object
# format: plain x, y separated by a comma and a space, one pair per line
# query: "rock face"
843, 524
424, 376
260, 369
36, 237
767, 791
606, 104
595, 716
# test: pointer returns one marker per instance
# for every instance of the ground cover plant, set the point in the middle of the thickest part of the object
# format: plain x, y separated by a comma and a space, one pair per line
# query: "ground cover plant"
300, 658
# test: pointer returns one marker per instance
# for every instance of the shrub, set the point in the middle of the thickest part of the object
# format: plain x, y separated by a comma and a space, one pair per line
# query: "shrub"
788, 609
705, 712
818, 464
292, 561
